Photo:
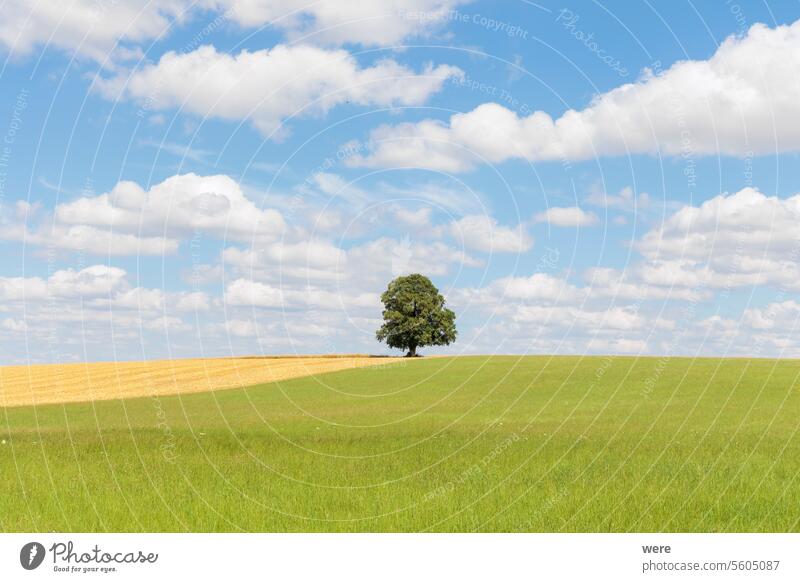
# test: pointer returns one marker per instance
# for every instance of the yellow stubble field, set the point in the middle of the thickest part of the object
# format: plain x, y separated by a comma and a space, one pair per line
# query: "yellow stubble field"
56, 383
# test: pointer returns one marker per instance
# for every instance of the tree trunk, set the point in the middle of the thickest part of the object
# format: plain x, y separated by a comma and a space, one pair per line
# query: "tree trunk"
412, 352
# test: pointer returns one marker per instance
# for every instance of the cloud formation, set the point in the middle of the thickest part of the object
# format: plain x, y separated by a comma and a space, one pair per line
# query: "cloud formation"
108, 31
572, 216
483, 233
86, 27
333, 22
267, 86
731, 240
741, 101
132, 220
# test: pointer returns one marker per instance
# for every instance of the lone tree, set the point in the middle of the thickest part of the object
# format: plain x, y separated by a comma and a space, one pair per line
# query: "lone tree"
414, 315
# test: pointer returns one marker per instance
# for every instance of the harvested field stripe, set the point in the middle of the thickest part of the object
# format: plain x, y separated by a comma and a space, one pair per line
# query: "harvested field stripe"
56, 383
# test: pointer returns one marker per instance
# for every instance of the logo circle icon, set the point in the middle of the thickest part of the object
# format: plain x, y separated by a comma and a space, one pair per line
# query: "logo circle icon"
31, 555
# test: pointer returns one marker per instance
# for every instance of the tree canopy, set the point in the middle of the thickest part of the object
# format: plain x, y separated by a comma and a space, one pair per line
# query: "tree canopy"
414, 315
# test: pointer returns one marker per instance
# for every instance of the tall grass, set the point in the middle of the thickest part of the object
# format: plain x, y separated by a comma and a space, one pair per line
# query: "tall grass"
450, 444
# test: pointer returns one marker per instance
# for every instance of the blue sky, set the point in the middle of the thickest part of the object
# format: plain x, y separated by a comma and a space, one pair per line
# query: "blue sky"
219, 177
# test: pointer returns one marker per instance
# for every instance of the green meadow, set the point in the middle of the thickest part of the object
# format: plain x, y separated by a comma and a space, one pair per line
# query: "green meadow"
510, 444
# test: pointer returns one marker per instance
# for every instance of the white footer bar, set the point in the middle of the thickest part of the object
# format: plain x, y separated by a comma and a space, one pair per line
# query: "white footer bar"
390, 557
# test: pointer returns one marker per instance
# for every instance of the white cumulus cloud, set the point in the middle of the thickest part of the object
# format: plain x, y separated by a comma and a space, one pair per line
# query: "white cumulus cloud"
91, 28
176, 207
117, 30
484, 233
372, 23
267, 86
731, 240
572, 216
742, 100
